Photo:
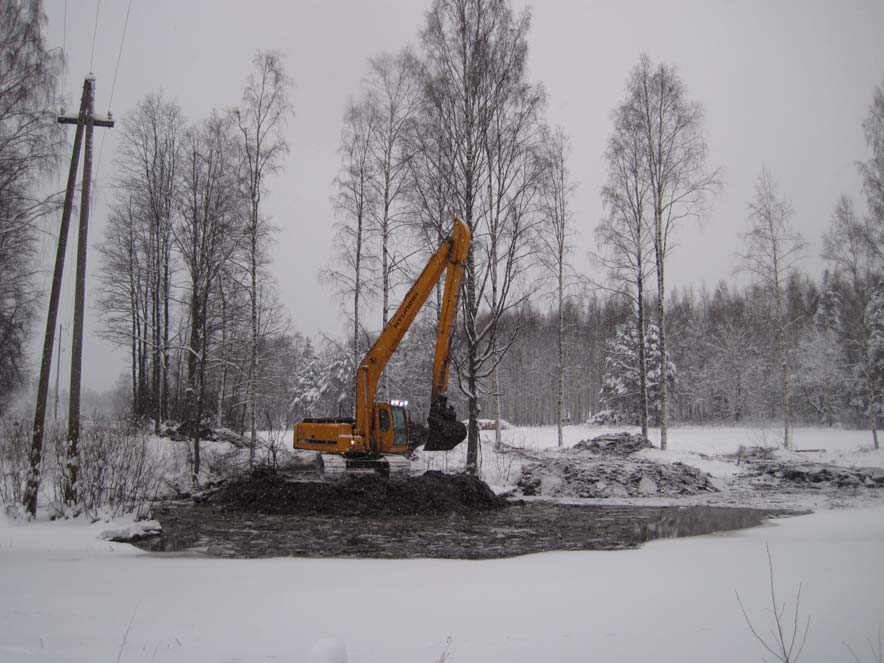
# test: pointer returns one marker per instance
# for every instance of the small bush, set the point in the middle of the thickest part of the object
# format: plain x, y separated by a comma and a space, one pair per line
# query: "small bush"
119, 472
14, 447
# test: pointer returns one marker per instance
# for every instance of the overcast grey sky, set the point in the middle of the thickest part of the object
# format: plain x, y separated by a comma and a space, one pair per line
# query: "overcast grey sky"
786, 84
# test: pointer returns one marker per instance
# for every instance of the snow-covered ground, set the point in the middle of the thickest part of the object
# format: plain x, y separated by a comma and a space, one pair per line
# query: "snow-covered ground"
67, 595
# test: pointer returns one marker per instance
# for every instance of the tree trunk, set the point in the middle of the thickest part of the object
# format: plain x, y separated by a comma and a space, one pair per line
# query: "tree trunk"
498, 441
222, 388
472, 466
190, 394
661, 322
253, 355
787, 396
561, 355
357, 290
164, 409
642, 353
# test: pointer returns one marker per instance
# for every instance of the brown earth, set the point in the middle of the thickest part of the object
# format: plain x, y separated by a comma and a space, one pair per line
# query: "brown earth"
270, 492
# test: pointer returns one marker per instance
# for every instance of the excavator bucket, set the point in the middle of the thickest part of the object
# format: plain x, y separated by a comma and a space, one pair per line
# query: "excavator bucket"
444, 430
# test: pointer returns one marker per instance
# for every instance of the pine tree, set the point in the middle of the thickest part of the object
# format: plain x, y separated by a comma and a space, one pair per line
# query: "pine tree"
621, 386
653, 356
828, 312
870, 397
305, 388
621, 390
821, 370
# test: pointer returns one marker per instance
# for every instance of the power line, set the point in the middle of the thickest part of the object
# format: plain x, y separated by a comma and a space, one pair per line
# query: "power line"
113, 89
64, 49
119, 57
94, 35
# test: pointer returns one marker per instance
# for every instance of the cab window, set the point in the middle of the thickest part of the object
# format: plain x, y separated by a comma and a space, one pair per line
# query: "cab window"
400, 427
383, 420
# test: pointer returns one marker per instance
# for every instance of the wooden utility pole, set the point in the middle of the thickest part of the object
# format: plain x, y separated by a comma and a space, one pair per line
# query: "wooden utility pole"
36, 456
70, 487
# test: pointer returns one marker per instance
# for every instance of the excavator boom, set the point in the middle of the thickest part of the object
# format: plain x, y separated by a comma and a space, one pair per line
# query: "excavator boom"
443, 428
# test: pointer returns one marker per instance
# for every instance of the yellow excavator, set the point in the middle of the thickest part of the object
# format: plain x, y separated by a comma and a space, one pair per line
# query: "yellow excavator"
381, 432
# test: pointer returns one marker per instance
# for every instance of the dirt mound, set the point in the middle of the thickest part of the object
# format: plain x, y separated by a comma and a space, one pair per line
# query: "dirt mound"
815, 475
579, 474
269, 492
620, 444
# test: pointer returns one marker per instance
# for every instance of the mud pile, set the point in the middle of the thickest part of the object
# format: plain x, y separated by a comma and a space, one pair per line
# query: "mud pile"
619, 444
814, 475
269, 492
605, 467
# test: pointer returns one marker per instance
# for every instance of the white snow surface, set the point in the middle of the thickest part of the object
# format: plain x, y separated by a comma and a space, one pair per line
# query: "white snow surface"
68, 596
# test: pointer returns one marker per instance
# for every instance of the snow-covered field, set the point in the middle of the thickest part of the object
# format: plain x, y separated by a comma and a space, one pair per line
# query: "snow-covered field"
67, 595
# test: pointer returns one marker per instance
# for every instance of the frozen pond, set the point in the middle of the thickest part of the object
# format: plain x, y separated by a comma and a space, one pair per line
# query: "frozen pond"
521, 528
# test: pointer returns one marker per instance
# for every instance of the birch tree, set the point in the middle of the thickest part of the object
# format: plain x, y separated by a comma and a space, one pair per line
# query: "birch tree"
206, 237
262, 118
674, 148
30, 145
473, 73
352, 269
148, 163
122, 296
626, 233
555, 232
392, 101
772, 249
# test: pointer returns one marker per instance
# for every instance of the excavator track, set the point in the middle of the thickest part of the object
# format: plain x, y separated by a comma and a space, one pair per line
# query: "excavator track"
334, 467
399, 466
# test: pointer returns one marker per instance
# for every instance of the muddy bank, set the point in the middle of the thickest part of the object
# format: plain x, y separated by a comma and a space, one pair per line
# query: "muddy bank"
813, 476
519, 529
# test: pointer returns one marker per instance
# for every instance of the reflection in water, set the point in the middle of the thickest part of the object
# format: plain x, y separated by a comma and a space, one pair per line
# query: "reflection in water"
671, 522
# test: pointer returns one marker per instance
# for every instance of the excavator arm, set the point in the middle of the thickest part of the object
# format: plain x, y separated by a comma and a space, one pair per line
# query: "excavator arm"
444, 430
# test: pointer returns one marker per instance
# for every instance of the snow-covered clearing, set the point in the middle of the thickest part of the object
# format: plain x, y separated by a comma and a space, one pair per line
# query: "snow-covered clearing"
66, 595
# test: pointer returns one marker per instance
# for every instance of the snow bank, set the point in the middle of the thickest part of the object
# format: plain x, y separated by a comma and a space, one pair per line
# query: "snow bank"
132, 531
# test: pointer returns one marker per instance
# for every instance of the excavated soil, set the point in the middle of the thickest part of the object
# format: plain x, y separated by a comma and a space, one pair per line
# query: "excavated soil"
606, 466
814, 476
270, 492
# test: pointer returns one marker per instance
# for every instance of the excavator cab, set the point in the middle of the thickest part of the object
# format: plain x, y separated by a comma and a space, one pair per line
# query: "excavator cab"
391, 426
